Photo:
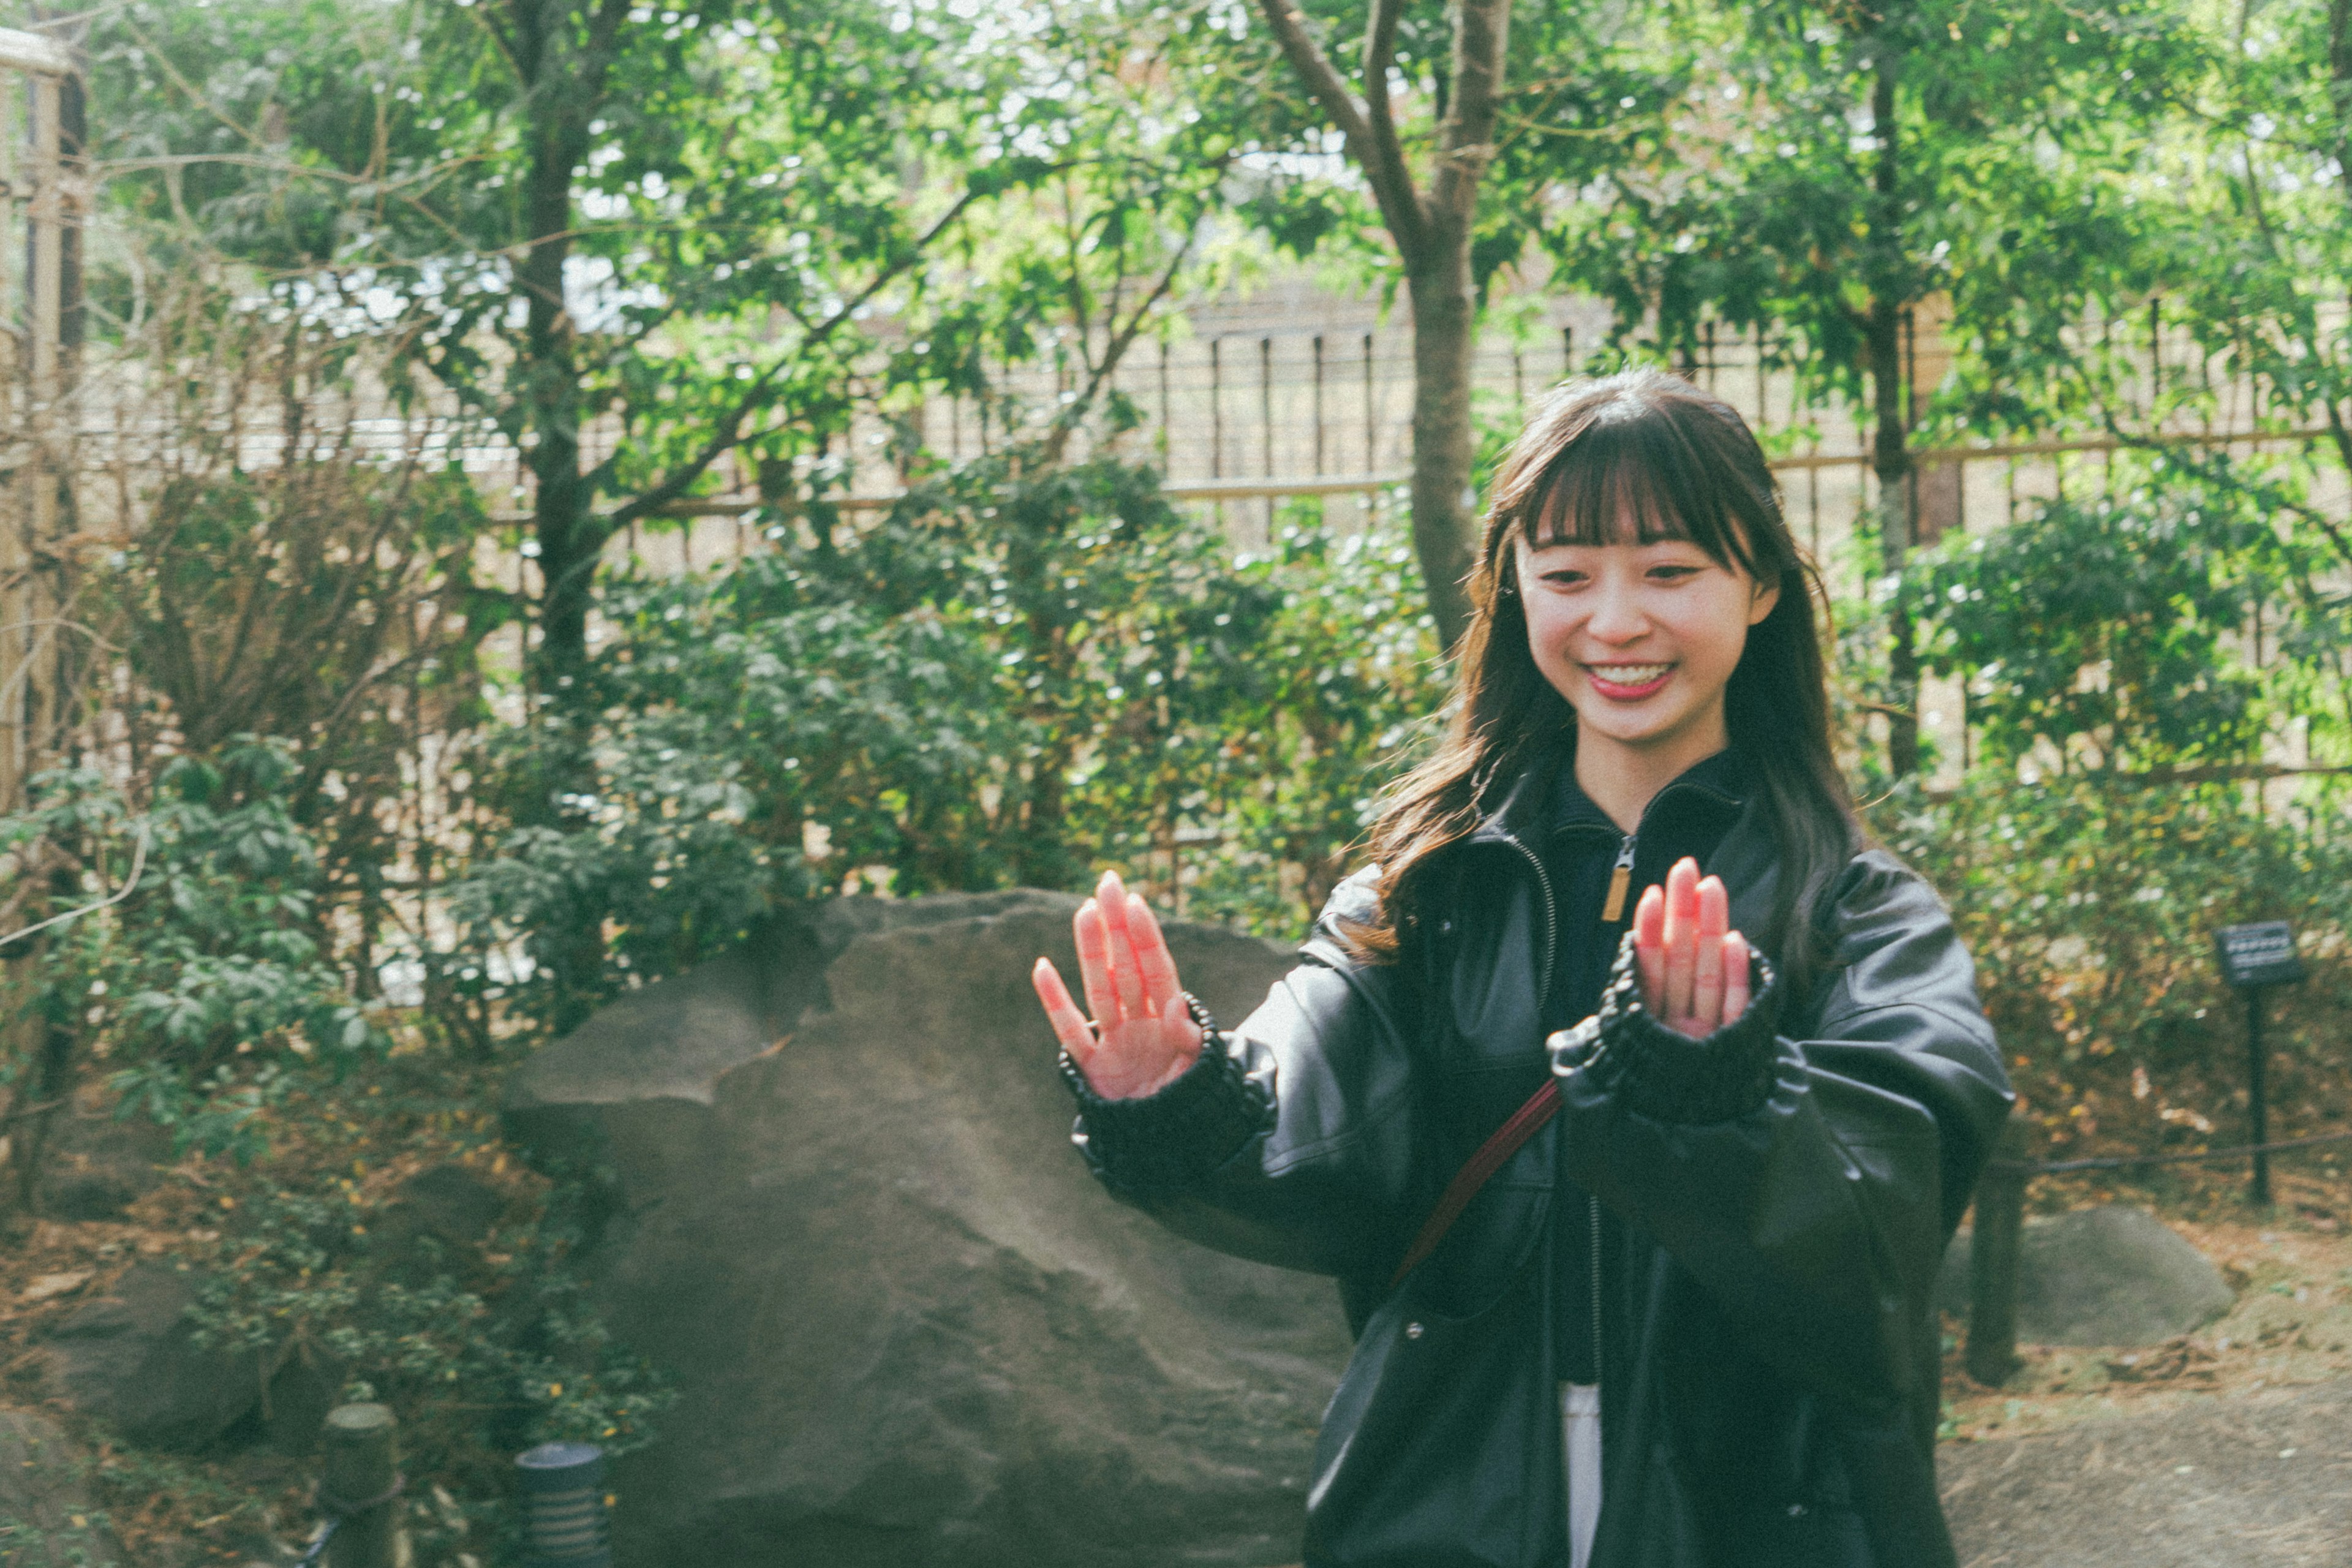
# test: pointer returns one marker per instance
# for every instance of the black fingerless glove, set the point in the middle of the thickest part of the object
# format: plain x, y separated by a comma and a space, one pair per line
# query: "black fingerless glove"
1664, 1074
1171, 1138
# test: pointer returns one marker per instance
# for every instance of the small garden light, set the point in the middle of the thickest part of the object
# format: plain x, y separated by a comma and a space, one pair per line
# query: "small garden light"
564, 1519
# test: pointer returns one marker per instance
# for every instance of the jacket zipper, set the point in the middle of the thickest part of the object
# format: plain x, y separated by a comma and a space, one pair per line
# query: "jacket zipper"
1551, 922
1621, 875
1621, 878
1593, 1205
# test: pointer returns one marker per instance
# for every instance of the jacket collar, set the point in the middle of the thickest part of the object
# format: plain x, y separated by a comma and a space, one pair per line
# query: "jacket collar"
1544, 799
1747, 858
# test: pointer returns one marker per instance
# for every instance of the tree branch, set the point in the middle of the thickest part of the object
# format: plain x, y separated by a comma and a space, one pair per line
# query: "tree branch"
730, 428
1385, 165
1467, 139
1315, 69
1367, 124
1122, 338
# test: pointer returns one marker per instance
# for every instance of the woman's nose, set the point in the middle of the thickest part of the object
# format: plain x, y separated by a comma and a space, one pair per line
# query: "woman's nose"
1616, 618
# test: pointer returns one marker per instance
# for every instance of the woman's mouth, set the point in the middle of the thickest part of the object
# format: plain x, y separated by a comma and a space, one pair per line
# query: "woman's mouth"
1629, 682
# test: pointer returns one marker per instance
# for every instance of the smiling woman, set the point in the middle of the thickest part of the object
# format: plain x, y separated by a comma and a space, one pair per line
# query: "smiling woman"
1637, 1221
1641, 638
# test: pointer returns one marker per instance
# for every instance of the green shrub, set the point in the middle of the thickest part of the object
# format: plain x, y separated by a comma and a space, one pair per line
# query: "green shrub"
207, 984
1019, 676
480, 1351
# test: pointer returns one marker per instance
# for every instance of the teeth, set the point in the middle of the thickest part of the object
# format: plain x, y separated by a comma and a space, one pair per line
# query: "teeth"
1629, 674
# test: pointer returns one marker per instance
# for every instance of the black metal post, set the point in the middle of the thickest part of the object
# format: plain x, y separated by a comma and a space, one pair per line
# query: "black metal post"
1991, 1353
1216, 412
1265, 421
1318, 404
2257, 1095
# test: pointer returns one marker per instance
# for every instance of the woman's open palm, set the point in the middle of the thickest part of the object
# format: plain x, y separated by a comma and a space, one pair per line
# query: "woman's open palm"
1694, 969
1143, 1036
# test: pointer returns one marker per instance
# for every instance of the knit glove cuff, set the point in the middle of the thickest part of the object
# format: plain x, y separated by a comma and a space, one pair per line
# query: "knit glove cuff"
1170, 1139
1664, 1074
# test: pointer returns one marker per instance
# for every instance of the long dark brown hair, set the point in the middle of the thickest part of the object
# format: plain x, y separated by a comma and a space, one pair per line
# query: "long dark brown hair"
1677, 463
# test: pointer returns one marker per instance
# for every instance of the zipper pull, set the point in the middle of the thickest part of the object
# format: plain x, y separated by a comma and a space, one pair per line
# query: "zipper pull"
1621, 878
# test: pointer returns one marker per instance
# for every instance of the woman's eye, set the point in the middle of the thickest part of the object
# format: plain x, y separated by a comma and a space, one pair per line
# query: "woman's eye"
1563, 578
1673, 573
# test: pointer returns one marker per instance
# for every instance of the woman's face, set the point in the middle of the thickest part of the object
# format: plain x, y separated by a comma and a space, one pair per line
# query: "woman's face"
1640, 638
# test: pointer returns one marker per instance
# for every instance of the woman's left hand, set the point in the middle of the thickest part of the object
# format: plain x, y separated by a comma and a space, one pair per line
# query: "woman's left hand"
1693, 968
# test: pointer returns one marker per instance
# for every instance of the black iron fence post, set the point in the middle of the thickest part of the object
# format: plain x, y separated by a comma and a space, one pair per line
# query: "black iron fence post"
1991, 1353
2258, 1095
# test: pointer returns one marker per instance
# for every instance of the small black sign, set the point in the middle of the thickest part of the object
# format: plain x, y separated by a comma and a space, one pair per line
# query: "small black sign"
2260, 955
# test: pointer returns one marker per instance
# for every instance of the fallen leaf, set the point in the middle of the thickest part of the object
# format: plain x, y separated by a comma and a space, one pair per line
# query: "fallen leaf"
2174, 1361
49, 1286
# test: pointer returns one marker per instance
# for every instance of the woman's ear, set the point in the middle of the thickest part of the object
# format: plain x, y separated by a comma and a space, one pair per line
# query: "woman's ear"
1761, 601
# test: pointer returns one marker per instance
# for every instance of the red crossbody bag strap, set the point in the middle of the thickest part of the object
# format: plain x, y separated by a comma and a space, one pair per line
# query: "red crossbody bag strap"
1524, 1124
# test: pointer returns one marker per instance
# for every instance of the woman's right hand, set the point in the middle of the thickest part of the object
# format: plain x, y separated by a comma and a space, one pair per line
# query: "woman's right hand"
1142, 1036
1694, 969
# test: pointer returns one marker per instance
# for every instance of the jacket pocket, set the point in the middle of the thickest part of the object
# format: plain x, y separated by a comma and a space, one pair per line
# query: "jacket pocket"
1489, 1248
1798, 1535
1439, 1450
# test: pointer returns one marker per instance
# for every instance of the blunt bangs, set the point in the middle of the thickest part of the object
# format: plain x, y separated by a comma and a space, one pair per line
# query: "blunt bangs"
1633, 473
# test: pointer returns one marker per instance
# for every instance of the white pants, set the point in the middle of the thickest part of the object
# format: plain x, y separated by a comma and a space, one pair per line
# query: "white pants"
1579, 1447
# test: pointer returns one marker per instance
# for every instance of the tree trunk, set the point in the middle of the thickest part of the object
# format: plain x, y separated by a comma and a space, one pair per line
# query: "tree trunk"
564, 56
1444, 441
1890, 442
2339, 99
569, 542
1433, 240
565, 59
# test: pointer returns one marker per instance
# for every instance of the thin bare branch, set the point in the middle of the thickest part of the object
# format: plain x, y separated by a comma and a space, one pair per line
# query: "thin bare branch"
1383, 153
1366, 123
729, 432
1315, 69
1122, 338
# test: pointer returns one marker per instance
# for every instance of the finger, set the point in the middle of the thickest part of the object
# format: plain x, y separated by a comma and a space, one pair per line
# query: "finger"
1714, 908
1649, 946
1069, 1024
1707, 982
1682, 945
1735, 976
1152, 959
1126, 979
1176, 1024
1094, 962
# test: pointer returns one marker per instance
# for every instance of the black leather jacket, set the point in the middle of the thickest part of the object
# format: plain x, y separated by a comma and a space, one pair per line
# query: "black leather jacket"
1783, 1192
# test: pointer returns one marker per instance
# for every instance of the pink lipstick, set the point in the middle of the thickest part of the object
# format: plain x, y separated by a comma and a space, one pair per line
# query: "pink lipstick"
1646, 680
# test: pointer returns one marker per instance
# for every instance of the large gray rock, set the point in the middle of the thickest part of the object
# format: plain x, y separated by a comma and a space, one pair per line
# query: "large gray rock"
130, 1357
906, 1327
2111, 1276
46, 1516
95, 1165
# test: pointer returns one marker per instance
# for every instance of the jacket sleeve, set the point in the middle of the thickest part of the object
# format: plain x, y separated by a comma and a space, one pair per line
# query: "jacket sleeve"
1808, 1184
1288, 1140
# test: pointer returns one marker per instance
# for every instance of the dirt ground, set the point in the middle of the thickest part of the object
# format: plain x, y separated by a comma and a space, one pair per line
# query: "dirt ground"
2229, 1447
2256, 1480
2232, 1445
